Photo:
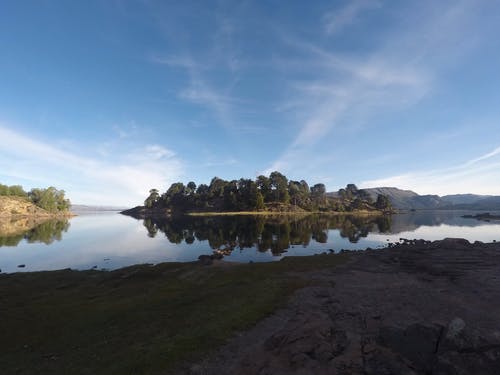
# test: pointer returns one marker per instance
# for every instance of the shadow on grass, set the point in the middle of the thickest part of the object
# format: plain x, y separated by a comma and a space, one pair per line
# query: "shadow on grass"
140, 319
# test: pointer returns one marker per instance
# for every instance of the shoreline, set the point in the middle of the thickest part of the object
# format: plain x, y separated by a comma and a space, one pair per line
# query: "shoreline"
362, 311
29, 216
270, 213
144, 215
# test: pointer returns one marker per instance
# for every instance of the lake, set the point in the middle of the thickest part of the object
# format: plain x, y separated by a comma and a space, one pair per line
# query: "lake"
110, 240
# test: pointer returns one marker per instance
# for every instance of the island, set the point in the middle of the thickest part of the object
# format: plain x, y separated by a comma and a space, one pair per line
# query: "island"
265, 195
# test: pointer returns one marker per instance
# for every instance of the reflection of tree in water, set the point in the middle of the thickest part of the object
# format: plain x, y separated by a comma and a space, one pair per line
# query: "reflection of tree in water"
46, 232
274, 233
11, 240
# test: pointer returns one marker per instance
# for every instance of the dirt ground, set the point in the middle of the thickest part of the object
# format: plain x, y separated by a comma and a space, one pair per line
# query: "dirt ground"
415, 308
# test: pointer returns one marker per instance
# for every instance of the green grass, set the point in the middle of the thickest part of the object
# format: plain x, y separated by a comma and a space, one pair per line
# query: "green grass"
287, 213
140, 319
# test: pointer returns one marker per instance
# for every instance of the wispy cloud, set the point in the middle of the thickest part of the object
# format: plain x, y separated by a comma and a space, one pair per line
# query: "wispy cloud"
479, 175
489, 155
395, 75
337, 20
179, 61
220, 163
198, 90
204, 67
122, 180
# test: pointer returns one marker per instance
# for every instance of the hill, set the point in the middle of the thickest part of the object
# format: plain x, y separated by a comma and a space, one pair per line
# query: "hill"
456, 199
407, 199
88, 209
18, 206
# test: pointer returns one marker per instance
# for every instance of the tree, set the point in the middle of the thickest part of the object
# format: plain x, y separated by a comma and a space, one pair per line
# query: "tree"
216, 188
342, 193
295, 192
14, 190
383, 203
318, 195
357, 204
264, 185
174, 196
351, 190
190, 188
259, 200
365, 196
153, 198
17, 190
279, 187
231, 195
50, 199
202, 189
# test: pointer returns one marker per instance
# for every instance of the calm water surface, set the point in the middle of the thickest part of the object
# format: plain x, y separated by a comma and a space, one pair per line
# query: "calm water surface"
111, 240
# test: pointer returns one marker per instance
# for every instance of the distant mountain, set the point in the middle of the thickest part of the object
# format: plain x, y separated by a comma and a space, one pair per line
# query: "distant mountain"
407, 200
463, 198
87, 208
483, 203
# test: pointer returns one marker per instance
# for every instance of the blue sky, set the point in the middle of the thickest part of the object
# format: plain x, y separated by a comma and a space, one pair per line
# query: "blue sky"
106, 99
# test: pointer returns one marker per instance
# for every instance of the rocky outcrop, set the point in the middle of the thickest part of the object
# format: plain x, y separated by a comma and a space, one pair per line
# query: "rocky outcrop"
141, 212
17, 206
419, 307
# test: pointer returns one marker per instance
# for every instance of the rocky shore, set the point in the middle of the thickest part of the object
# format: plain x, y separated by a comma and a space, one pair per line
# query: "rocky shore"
19, 207
417, 307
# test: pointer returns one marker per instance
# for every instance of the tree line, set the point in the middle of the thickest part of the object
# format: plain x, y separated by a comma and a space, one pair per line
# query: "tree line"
273, 192
50, 199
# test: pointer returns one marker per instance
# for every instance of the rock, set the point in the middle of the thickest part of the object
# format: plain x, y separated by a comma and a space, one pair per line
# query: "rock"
217, 256
206, 260
416, 343
21, 265
460, 338
455, 328
308, 343
452, 243
196, 370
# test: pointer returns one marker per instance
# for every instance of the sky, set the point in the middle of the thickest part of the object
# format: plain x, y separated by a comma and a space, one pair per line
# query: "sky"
108, 99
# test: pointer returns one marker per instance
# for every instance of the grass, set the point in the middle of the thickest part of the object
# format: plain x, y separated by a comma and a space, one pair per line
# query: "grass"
233, 213
140, 319
288, 213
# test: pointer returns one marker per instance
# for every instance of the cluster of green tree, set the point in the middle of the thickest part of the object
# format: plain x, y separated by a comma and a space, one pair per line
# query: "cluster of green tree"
276, 233
46, 233
50, 199
14, 191
264, 192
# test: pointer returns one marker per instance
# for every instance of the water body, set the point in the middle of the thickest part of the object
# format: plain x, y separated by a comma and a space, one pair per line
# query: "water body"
111, 240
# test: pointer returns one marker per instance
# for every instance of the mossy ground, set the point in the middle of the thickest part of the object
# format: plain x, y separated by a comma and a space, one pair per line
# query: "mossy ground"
140, 319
